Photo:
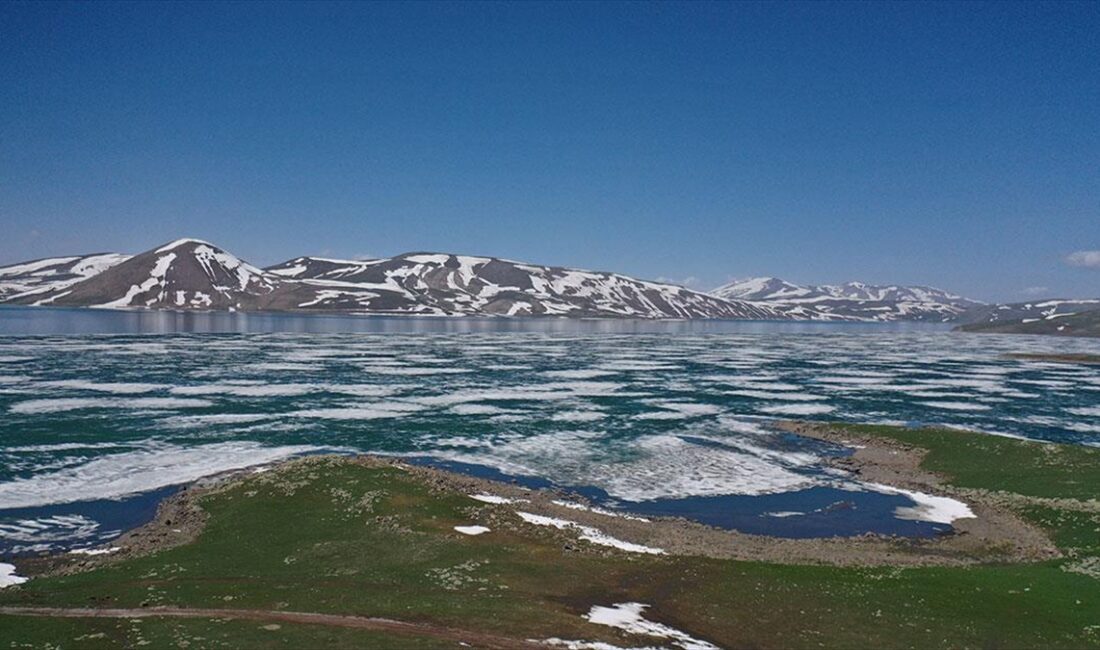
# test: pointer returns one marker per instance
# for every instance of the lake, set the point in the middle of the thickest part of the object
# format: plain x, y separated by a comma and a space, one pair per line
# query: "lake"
105, 411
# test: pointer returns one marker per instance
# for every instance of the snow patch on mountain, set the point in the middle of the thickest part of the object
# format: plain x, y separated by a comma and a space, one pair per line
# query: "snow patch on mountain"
445, 284
195, 274
156, 277
853, 301
34, 282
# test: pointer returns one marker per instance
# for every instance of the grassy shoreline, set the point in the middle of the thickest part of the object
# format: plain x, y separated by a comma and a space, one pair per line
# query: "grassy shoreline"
369, 538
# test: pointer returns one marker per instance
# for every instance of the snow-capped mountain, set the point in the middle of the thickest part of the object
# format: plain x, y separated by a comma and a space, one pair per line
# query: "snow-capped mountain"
1025, 313
191, 274
32, 281
444, 284
184, 274
1057, 317
853, 301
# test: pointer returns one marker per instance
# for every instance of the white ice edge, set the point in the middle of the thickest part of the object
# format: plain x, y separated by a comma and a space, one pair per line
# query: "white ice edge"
119, 475
588, 533
599, 511
940, 510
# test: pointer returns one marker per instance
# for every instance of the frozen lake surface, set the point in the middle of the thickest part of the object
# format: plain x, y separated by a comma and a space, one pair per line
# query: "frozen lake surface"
659, 418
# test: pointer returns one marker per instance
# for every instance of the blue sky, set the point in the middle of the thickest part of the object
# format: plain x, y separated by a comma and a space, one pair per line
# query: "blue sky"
955, 145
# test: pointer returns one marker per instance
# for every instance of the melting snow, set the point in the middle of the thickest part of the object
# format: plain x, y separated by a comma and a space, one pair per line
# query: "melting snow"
628, 617
958, 406
940, 510
156, 277
570, 644
798, 409
75, 404
95, 551
588, 533
8, 577
118, 475
471, 530
491, 498
599, 511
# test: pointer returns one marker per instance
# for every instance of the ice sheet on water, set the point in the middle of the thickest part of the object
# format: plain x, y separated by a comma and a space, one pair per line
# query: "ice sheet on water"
957, 406
523, 396
56, 405
117, 475
798, 409
122, 388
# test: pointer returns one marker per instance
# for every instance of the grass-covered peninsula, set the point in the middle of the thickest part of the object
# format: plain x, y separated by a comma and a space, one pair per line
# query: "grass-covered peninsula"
354, 552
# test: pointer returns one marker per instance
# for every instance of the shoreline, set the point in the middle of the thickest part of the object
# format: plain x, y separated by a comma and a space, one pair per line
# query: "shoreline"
298, 550
995, 534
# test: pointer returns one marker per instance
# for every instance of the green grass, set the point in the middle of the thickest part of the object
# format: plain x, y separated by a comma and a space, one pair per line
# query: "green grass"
316, 547
94, 634
1003, 464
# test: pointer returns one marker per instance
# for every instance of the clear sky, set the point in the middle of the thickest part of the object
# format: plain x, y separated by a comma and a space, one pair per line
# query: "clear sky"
956, 145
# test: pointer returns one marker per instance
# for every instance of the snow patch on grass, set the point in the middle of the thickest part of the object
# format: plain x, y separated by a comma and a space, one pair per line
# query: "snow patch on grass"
599, 511
95, 551
491, 498
588, 533
8, 577
471, 530
570, 644
628, 617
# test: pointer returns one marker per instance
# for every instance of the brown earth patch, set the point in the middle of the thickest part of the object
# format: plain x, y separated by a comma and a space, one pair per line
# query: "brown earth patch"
468, 637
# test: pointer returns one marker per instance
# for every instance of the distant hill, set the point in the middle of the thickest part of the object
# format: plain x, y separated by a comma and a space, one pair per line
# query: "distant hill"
852, 301
1056, 317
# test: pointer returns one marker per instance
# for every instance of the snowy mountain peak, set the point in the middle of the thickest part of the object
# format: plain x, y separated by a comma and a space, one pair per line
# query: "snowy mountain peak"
761, 288
185, 241
183, 274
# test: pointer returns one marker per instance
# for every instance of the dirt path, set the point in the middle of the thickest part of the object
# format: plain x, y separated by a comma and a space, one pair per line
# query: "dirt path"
477, 639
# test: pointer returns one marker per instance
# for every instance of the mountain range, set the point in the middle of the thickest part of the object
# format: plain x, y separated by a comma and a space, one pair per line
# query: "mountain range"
852, 301
191, 274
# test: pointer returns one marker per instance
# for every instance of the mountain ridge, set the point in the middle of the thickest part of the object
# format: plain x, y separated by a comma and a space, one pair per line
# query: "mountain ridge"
193, 274
853, 301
